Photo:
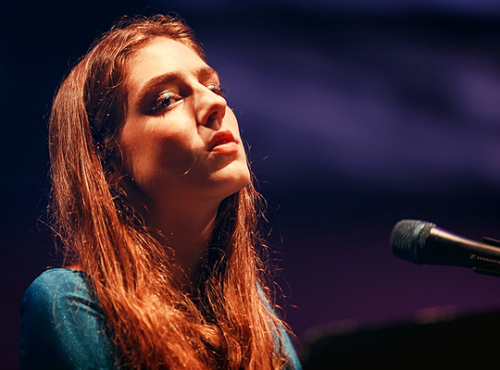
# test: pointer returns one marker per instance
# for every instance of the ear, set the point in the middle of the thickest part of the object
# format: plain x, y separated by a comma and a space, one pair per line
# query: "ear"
112, 162
113, 170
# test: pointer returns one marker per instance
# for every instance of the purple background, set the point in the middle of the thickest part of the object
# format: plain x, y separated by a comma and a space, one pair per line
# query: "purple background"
358, 115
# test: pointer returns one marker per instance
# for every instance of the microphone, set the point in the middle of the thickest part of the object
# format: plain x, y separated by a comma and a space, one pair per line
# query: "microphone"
423, 242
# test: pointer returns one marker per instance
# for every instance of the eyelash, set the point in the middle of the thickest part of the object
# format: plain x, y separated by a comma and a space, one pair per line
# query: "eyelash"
158, 104
217, 89
167, 95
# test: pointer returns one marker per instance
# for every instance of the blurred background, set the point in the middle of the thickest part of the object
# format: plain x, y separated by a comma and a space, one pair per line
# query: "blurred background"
358, 114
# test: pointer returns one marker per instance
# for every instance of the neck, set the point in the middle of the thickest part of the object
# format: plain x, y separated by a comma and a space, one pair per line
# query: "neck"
186, 228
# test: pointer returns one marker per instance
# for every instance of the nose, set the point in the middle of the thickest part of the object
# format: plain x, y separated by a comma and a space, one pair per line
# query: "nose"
211, 108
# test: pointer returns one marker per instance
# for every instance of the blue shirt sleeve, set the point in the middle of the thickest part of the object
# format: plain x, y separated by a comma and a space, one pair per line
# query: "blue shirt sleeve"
62, 326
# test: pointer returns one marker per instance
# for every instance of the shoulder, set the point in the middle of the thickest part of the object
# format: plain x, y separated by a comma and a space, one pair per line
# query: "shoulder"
281, 335
58, 289
62, 325
57, 281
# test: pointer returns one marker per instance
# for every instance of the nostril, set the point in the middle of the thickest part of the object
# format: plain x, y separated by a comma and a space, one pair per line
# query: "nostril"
212, 107
214, 118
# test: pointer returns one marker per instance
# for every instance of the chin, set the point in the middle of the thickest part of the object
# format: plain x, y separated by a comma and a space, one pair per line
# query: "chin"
237, 181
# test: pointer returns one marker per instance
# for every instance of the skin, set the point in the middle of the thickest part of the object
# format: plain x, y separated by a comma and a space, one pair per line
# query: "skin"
172, 171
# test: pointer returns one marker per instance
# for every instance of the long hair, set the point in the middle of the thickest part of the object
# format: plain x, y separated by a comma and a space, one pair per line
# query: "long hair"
226, 321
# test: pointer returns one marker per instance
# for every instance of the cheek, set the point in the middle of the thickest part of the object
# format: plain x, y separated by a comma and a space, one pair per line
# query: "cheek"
165, 156
231, 120
149, 154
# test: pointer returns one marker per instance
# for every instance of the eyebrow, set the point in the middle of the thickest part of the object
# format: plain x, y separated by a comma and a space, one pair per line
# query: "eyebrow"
204, 72
207, 71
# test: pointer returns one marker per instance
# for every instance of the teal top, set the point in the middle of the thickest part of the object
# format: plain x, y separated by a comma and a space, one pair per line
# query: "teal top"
62, 326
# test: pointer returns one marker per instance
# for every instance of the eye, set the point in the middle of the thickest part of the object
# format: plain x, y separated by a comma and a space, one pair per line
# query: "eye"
165, 100
217, 89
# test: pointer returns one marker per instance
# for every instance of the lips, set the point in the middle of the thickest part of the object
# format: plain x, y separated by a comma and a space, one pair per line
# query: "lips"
224, 142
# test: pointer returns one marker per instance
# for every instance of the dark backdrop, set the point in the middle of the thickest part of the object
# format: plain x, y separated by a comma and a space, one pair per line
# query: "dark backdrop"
357, 116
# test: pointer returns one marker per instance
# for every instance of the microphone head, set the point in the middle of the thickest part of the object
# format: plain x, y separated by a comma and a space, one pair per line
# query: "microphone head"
408, 237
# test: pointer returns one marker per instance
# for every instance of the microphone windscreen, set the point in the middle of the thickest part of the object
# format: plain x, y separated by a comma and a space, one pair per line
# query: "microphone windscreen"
408, 237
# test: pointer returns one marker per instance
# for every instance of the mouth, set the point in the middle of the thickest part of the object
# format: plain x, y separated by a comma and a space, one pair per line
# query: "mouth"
223, 142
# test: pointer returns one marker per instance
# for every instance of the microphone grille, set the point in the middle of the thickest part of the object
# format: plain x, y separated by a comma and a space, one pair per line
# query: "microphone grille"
408, 237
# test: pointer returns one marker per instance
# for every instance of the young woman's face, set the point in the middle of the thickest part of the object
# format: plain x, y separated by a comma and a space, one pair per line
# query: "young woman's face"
180, 141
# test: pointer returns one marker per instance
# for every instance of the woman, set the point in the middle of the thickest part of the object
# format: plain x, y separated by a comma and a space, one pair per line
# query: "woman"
154, 205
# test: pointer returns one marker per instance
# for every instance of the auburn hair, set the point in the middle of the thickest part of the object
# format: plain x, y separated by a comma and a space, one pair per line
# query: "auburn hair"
226, 321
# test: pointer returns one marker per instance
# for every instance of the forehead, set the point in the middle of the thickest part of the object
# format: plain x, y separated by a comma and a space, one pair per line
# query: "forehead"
162, 55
